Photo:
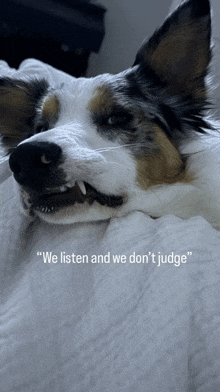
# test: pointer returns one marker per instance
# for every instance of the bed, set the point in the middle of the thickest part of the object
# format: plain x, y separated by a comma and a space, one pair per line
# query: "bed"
131, 304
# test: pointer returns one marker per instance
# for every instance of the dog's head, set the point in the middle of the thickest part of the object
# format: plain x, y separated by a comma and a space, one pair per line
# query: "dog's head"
88, 150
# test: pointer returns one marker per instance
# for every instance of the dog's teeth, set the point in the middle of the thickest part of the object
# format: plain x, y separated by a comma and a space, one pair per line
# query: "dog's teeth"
82, 187
63, 188
70, 184
45, 210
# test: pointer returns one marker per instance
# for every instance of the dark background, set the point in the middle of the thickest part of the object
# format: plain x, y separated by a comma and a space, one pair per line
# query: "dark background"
61, 33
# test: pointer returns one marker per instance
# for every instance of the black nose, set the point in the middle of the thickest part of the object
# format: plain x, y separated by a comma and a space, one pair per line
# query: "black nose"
34, 163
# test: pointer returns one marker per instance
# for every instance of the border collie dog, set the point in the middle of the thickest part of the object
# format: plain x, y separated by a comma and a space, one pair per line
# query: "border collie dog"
139, 140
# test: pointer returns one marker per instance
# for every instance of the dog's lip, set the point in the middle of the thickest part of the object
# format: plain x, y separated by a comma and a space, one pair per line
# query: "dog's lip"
53, 199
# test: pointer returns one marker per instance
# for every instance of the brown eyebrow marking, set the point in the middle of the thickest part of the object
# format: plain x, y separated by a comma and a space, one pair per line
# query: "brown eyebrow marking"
103, 101
50, 108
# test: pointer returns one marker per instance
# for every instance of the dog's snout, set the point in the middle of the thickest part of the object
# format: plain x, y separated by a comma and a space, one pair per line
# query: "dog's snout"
33, 162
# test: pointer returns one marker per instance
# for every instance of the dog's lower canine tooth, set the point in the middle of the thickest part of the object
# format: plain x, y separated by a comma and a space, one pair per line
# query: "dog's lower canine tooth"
71, 184
63, 188
82, 187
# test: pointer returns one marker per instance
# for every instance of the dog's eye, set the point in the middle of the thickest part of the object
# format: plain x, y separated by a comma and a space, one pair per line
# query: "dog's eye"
119, 119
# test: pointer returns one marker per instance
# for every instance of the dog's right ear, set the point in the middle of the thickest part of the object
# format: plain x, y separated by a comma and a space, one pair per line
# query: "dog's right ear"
178, 53
18, 108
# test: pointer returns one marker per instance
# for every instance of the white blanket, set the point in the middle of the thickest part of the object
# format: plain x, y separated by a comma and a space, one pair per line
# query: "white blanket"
152, 325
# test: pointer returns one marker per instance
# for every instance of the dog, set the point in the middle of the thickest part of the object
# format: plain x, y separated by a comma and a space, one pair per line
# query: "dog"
142, 139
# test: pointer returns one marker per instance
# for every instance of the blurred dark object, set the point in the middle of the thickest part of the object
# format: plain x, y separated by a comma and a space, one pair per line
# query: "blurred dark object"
61, 33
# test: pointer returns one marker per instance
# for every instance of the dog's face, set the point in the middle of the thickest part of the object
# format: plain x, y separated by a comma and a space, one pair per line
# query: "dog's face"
95, 148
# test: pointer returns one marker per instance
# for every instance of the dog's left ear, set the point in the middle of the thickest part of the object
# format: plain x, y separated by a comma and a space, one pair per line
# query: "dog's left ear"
179, 52
18, 108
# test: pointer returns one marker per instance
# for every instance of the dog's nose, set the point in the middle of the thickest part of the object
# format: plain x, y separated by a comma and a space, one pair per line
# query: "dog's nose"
32, 163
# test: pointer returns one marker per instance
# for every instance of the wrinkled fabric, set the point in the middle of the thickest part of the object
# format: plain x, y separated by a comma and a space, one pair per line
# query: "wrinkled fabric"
141, 313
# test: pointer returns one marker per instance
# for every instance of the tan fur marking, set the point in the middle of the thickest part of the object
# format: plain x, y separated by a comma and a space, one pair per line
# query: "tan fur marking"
50, 107
165, 167
103, 100
180, 61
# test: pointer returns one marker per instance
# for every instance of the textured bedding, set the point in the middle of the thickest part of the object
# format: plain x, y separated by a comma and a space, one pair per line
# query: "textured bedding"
127, 305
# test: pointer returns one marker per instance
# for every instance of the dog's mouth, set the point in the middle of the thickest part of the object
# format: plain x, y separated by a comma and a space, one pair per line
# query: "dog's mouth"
53, 199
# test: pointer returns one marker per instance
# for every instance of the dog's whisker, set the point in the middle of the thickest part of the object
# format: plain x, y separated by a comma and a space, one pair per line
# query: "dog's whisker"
117, 147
